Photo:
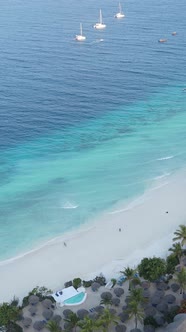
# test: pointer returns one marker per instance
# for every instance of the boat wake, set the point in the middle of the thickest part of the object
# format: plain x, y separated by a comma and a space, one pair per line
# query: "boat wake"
97, 41
165, 158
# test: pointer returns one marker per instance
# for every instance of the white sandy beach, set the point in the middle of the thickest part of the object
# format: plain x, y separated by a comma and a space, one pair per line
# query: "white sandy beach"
146, 230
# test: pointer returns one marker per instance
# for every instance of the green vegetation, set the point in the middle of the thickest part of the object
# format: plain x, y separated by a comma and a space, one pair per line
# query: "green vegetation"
176, 250
8, 313
106, 301
113, 282
88, 325
129, 274
41, 292
171, 261
169, 316
106, 319
135, 311
180, 234
76, 283
152, 268
181, 279
53, 326
137, 296
72, 321
150, 320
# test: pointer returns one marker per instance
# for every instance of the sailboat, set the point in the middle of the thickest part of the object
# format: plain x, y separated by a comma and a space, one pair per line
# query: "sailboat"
100, 25
120, 14
80, 37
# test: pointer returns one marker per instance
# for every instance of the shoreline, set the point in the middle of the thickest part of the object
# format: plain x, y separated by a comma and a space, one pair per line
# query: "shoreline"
123, 206
100, 246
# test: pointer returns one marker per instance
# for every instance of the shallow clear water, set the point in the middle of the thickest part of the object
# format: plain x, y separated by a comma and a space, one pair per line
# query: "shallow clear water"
85, 125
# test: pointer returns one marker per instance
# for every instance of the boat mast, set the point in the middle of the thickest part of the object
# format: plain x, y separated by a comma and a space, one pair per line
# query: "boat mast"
81, 30
100, 17
120, 7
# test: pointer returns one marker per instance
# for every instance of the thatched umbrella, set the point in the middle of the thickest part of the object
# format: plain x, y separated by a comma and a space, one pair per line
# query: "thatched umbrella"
162, 307
27, 321
120, 328
39, 325
145, 284
160, 320
124, 316
162, 286
175, 287
112, 311
169, 298
47, 314
116, 301
118, 291
33, 299
82, 313
95, 286
67, 313
47, 303
93, 315
149, 328
159, 293
99, 309
125, 307
146, 294
106, 295
32, 310
155, 300
57, 318
150, 311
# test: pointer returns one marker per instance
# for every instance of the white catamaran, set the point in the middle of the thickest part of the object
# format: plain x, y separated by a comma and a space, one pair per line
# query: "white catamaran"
80, 37
120, 14
100, 25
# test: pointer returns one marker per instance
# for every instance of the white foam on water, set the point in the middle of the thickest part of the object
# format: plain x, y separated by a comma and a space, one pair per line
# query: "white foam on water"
69, 205
160, 177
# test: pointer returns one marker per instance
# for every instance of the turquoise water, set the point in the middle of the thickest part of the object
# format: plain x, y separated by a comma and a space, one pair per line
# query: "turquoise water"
85, 126
75, 299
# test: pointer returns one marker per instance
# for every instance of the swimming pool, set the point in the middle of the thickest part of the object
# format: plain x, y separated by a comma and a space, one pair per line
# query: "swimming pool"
77, 299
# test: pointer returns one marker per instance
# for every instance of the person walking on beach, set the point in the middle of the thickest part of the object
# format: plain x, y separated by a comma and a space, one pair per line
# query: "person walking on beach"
64, 244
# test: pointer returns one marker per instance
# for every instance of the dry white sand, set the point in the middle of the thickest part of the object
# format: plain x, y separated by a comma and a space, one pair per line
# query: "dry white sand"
146, 230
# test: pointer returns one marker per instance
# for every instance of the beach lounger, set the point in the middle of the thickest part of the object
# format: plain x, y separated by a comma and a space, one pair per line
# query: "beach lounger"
92, 309
121, 280
109, 284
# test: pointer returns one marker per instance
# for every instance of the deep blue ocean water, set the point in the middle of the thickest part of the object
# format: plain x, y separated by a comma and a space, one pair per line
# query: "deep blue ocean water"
85, 125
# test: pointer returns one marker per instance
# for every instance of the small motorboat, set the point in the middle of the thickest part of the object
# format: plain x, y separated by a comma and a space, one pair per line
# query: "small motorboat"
162, 40
174, 33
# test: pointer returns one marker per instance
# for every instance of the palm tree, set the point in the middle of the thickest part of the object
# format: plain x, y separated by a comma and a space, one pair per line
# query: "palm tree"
136, 295
136, 312
181, 279
88, 325
106, 301
129, 273
53, 326
176, 250
106, 319
180, 234
72, 321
